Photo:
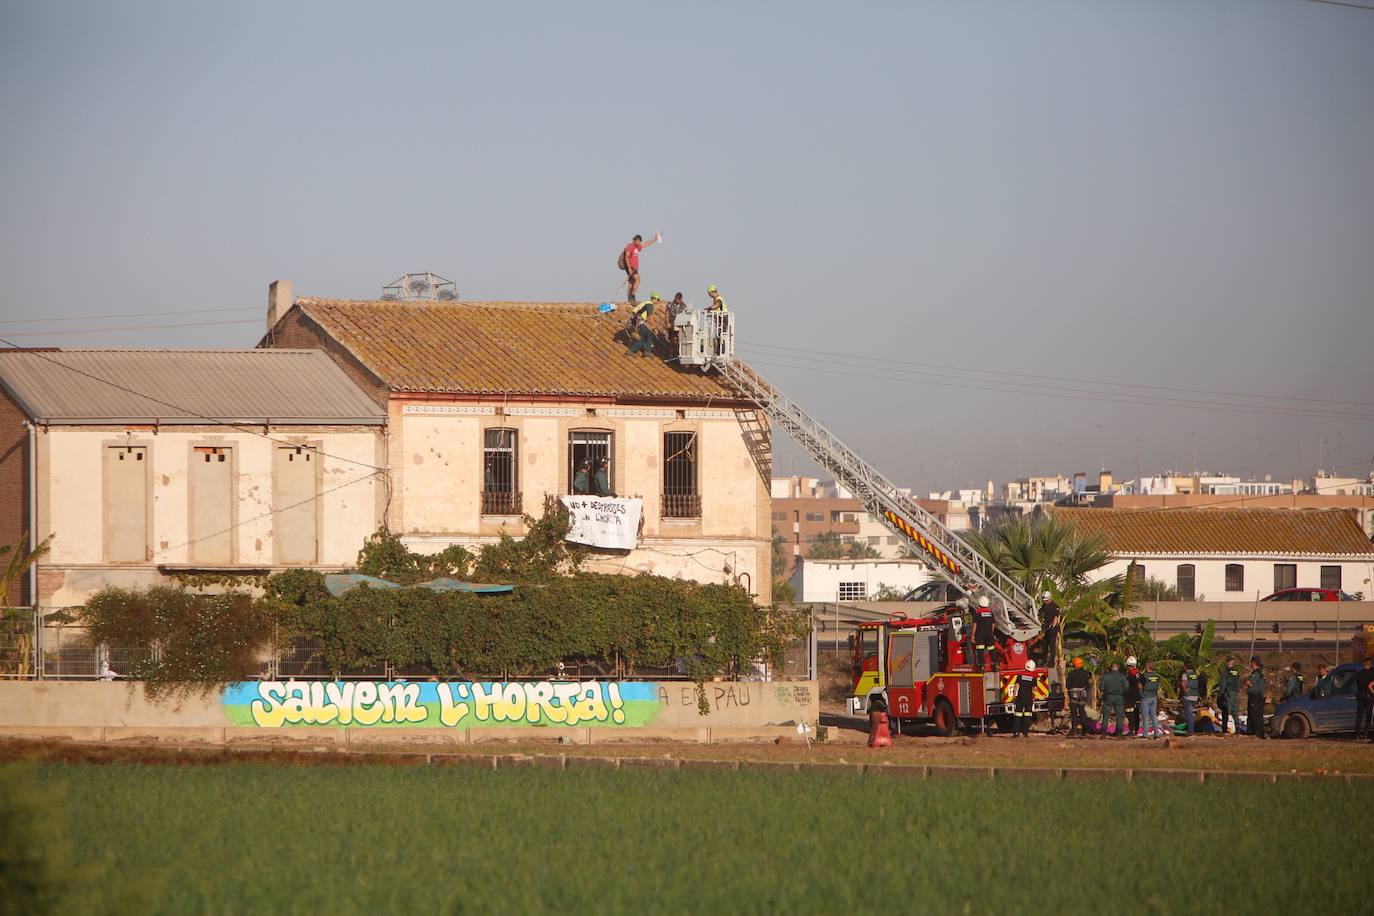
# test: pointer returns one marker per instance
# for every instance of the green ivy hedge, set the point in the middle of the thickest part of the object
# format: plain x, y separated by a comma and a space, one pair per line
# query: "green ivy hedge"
557, 613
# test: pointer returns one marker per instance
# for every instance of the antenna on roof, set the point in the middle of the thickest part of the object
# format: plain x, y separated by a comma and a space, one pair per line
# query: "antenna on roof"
425, 286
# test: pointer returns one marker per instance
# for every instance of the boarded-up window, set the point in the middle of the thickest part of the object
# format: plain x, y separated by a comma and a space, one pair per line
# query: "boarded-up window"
295, 505
212, 506
125, 487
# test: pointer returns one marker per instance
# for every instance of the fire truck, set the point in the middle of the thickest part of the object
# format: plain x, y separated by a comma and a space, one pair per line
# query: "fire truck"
921, 671
921, 668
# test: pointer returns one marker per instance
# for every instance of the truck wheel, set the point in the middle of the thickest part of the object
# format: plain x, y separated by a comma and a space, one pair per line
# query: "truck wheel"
944, 719
1296, 726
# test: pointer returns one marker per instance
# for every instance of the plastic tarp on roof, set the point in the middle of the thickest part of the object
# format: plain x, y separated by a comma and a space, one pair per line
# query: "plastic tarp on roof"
339, 583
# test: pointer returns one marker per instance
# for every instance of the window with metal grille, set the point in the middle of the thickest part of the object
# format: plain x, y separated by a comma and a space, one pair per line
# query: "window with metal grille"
853, 591
1235, 577
680, 496
1331, 577
500, 486
590, 464
1187, 578
1285, 575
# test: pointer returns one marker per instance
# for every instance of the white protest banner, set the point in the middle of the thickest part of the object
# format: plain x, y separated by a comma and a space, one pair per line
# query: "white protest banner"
604, 521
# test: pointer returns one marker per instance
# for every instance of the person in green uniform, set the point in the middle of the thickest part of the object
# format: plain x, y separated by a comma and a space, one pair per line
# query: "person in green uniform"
1113, 690
1254, 699
1188, 693
1228, 695
1149, 701
1293, 688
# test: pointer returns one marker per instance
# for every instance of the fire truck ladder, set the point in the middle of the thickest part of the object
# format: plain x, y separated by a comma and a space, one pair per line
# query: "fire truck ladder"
937, 546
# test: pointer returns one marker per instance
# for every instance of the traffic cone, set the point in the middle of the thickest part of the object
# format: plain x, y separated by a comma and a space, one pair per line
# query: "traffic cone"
878, 735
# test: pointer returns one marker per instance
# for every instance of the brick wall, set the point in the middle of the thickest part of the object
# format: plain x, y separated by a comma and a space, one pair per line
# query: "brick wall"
14, 489
297, 332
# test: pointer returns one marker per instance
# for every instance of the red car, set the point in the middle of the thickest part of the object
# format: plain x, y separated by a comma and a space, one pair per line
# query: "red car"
1310, 594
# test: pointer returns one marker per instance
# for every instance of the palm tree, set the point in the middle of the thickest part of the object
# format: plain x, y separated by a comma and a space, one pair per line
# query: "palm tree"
18, 622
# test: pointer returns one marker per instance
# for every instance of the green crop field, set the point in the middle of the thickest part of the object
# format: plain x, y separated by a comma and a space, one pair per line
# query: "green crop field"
261, 838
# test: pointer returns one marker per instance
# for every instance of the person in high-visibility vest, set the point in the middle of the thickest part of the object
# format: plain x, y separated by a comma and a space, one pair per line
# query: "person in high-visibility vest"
719, 308
983, 639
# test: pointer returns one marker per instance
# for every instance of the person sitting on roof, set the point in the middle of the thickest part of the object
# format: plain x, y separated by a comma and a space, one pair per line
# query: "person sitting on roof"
639, 319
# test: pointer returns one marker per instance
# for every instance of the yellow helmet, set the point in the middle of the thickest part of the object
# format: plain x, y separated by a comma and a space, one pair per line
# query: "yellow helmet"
711, 288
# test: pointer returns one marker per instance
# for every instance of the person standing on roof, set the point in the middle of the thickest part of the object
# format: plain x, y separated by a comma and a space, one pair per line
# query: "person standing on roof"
983, 638
629, 262
639, 325
1025, 700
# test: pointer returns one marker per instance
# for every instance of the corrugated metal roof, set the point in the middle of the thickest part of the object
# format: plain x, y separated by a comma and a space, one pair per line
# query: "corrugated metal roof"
1203, 531
184, 386
511, 348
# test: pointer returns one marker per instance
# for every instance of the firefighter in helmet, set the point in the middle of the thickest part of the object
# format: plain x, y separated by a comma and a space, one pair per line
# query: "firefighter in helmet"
983, 639
1025, 699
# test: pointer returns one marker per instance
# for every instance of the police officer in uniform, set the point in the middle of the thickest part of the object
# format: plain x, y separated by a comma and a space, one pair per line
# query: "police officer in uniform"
1254, 699
1113, 690
983, 640
1294, 686
1188, 692
1025, 700
1149, 701
1228, 695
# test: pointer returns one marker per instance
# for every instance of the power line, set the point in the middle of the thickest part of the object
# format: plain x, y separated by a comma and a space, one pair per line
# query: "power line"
241, 427
992, 385
1057, 378
133, 327
109, 317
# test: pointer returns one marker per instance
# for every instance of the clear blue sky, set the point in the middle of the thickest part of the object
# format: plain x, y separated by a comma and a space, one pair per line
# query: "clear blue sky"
1174, 193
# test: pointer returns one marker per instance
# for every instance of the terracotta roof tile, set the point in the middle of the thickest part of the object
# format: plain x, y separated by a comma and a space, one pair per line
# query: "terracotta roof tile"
1279, 532
507, 348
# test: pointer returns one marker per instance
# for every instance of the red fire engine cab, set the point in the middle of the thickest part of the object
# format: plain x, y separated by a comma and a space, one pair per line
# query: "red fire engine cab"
922, 671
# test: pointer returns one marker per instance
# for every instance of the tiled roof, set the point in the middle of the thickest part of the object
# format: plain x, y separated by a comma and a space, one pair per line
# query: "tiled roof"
1279, 532
184, 386
507, 348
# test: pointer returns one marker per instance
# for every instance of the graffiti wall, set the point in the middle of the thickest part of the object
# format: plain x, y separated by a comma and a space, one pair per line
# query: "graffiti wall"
464, 704
457, 706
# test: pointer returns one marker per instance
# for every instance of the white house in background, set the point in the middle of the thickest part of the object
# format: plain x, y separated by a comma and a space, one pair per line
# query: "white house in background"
148, 464
1234, 554
820, 581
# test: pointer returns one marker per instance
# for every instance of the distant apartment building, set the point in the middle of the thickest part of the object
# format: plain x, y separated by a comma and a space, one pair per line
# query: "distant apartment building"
804, 508
1037, 489
1228, 554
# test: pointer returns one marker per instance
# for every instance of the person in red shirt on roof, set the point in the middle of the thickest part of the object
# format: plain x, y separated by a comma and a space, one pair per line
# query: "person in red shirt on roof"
629, 262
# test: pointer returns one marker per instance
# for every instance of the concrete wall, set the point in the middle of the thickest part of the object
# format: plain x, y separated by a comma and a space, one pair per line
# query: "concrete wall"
1210, 574
436, 460
72, 492
293, 709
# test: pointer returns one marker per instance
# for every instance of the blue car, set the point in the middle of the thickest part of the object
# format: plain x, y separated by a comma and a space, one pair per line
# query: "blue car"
1327, 708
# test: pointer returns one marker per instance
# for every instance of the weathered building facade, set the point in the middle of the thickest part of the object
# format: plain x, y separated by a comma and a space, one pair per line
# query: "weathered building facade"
494, 408
147, 464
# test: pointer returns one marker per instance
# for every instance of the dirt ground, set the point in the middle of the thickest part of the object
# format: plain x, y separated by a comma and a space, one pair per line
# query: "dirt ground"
842, 745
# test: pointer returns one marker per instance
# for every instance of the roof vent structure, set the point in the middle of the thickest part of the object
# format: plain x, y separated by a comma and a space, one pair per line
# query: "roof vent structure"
425, 286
